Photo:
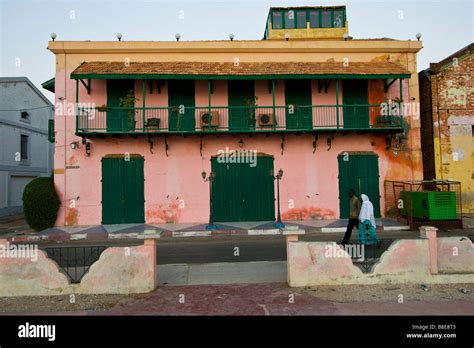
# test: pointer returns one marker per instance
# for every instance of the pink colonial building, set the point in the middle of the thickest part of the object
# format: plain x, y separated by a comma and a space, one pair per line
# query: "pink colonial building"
160, 132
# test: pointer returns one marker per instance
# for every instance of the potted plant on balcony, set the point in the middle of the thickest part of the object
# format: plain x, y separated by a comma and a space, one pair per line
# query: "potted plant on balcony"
101, 108
250, 109
128, 104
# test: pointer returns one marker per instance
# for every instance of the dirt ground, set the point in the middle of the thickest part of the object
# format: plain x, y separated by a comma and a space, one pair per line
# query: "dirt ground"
335, 294
368, 293
63, 303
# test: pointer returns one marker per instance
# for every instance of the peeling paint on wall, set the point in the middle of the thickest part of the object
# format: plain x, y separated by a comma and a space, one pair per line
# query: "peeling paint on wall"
71, 216
163, 213
308, 213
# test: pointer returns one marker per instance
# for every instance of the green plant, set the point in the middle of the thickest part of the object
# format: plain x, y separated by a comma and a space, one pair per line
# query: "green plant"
40, 203
128, 102
250, 104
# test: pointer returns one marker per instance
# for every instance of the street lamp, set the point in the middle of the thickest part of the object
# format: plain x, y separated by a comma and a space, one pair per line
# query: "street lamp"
209, 179
278, 177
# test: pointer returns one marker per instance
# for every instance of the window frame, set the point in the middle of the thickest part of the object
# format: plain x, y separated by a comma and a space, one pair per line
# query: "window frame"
282, 20
51, 130
306, 13
331, 22
25, 160
294, 19
343, 21
26, 119
319, 12
318, 16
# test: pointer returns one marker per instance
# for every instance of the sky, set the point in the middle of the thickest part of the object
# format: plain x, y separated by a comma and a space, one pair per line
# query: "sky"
26, 25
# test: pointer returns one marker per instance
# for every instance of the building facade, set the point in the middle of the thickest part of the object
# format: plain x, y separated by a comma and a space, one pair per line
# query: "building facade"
25, 152
161, 132
447, 118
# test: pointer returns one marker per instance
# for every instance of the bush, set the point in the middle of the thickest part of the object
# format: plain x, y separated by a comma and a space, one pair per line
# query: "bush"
41, 203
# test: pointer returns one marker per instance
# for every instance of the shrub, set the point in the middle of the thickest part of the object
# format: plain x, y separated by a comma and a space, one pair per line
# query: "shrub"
41, 203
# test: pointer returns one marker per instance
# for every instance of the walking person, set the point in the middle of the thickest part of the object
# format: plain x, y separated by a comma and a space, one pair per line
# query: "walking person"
354, 209
367, 228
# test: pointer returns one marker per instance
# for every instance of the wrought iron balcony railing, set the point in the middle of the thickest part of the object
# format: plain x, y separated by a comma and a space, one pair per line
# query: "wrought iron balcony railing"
185, 119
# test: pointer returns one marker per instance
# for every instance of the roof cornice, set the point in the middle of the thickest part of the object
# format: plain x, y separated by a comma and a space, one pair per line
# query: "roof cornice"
255, 46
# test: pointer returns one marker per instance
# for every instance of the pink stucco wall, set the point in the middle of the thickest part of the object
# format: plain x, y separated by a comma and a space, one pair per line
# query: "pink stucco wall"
174, 189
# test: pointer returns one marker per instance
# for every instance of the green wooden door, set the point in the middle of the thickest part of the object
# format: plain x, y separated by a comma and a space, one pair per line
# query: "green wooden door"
241, 192
122, 190
181, 100
361, 173
119, 120
241, 93
355, 99
298, 102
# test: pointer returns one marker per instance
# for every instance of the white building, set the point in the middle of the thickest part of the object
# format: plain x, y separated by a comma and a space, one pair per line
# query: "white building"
25, 150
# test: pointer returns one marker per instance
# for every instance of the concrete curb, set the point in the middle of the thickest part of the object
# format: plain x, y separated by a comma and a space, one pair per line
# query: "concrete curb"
63, 237
383, 229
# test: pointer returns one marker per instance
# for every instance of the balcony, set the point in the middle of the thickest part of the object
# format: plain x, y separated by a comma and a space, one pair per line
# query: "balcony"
234, 119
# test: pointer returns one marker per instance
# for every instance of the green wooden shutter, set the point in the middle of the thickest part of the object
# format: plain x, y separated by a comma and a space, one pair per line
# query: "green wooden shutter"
344, 187
112, 191
181, 93
51, 131
243, 193
133, 189
361, 173
258, 191
119, 120
298, 99
372, 189
123, 190
355, 100
241, 93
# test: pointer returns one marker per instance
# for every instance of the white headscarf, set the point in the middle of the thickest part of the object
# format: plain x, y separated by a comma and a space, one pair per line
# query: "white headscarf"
367, 210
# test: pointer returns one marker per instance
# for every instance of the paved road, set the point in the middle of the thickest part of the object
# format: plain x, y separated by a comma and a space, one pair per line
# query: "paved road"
195, 250
232, 250
223, 249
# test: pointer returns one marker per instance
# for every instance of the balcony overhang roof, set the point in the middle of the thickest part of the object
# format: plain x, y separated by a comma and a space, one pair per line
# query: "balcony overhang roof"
239, 71
49, 85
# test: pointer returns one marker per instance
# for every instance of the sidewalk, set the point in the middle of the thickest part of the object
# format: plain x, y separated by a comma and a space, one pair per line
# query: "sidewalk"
134, 231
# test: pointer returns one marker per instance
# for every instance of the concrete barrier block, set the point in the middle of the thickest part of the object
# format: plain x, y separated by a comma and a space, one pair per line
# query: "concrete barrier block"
406, 260
122, 271
455, 255
309, 265
40, 276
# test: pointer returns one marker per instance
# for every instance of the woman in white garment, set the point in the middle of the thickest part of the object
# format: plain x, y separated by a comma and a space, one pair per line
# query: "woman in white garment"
367, 228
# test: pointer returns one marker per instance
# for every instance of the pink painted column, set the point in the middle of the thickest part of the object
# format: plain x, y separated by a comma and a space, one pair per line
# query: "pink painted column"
291, 236
429, 232
150, 242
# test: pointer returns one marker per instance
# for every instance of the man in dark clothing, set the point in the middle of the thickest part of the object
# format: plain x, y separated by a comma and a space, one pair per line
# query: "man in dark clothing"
353, 217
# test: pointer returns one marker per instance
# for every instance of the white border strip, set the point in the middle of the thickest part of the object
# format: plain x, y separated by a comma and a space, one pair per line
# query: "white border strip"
263, 232
192, 234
